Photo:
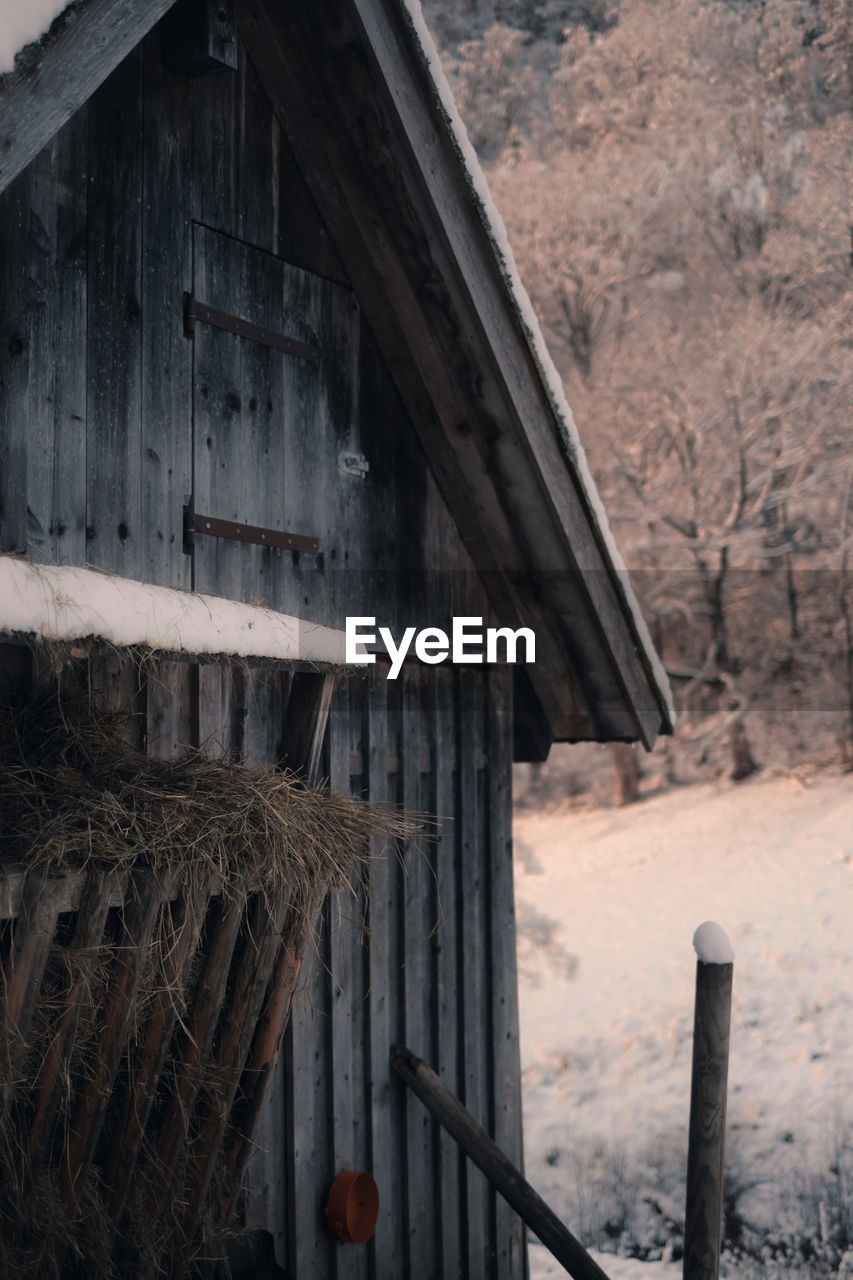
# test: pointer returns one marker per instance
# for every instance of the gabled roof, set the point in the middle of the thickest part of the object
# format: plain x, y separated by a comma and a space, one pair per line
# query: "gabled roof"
361, 97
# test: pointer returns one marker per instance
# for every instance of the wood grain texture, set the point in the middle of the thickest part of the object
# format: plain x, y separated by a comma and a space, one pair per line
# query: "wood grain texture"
703, 1216
473, 958
144, 898
385, 1249
43, 330
166, 355
94, 903
31, 939
449, 941
420, 922
76, 62
115, 536
506, 1126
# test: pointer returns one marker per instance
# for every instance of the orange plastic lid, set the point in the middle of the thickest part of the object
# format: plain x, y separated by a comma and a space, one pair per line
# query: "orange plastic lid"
353, 1206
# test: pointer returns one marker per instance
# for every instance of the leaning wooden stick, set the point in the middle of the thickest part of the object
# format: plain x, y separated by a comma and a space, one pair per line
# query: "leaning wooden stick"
706, 1144
500, 1171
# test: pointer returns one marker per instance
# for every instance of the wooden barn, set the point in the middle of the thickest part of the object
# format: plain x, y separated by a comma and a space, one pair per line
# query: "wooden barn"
260, 341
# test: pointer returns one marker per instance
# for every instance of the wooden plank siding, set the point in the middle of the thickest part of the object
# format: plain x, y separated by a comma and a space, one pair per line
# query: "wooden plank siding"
411, 954
162, 185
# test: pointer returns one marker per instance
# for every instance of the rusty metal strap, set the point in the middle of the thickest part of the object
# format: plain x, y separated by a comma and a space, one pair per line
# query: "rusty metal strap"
215, 528
201, 312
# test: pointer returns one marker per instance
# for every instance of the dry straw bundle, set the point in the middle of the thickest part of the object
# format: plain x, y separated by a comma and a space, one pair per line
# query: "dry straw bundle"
156, 914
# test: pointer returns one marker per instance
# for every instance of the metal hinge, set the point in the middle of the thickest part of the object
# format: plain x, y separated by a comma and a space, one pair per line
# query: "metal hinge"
213, 527
195, 311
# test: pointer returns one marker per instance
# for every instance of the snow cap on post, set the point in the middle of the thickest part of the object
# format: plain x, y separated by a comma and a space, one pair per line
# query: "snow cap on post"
711, 943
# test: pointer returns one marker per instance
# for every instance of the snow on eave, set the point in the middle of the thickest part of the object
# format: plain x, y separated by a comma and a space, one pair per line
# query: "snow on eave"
63, 603
520, 299
26, 29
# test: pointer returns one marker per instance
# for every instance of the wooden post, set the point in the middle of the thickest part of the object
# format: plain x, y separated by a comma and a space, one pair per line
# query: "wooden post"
706, 1146
500, 1171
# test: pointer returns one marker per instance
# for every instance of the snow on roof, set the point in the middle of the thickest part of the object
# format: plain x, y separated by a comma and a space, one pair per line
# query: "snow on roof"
21, 24
497, 234
64, 603
711, 943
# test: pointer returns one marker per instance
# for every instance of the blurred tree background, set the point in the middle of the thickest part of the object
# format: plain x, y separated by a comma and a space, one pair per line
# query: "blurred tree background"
675, 177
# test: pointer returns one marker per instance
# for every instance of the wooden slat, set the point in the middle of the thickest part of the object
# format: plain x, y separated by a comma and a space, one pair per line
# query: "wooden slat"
510, 1244
419, 922
31, 939
310, 1249
42, 333
218, 425
201, 1025
170, 698
384, 1135
267, 693
119, 687
115, 536
307, 1047
14, 364
145, 896
247, 989
236, 185
266, 1175
359, 1264
219, 710
345, 988
451, 947
95, 901
155, 1040
166, 371
473, 975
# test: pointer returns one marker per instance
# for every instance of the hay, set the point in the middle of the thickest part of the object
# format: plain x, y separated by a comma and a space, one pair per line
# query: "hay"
75, 796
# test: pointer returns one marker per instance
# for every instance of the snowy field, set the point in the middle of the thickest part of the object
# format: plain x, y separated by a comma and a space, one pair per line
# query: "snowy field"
608, 901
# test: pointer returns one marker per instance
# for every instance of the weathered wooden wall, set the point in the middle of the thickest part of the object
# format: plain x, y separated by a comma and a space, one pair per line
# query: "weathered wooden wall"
430, 963
111, 420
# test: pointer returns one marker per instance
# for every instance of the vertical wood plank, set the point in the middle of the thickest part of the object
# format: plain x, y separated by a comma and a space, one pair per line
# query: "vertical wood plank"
266, 1176
217, 418
384, 1249
14, 364
310, 1249
170, 690
166, 374
237, 155
417, 978
216, 153
115, 535
219, 711
450, 946
510, 1241
43, 351
472, 968
266, 699
118, 684
359, 1264
344, 984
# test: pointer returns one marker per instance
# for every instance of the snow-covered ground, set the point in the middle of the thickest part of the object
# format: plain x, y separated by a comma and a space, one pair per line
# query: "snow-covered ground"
608, 902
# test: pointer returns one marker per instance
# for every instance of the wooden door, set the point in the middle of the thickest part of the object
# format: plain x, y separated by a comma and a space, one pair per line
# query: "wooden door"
268, 423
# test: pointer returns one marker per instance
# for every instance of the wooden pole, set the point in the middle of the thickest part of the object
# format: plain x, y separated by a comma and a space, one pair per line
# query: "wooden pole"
500, 1171
706, 1145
